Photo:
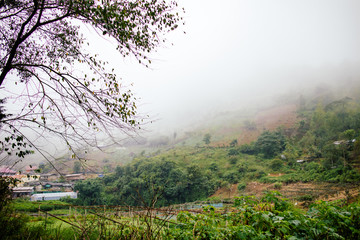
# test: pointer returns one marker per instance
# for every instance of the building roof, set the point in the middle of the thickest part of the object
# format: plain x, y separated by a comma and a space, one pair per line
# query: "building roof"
6, 170
57, 184
58, 194
74, 175
22, 189
31, 168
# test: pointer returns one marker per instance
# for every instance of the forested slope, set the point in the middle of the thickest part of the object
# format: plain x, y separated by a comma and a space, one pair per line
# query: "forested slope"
322, 145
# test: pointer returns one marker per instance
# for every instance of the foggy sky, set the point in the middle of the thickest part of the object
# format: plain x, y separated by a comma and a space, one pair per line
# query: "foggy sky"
235, 52
239, 53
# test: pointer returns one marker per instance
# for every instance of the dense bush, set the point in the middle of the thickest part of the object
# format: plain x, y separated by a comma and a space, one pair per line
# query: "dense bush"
21, 205
233, 160
270, 217
241, 186
276, 164
278, 185
11, 225
247, 149
142, 181
270, 143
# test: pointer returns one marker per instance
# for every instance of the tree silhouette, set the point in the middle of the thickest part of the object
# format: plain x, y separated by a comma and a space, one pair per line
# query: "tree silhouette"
64, 89
207, 138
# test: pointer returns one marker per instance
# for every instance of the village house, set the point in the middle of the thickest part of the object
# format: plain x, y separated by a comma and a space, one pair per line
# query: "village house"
74, 177
31, 169
49, 177
22, 191
6, 171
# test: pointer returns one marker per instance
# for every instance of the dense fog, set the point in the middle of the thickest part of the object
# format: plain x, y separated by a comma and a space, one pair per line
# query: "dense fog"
240, 53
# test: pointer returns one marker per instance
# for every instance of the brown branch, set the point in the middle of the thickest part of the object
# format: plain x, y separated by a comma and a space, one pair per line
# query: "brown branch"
17, 43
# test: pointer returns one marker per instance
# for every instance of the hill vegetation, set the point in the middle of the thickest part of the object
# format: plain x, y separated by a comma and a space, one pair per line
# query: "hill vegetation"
322, 146
307, 152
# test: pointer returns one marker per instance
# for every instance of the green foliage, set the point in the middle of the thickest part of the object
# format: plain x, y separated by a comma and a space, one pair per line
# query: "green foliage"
278, 185
348, 134
276, 164
233, 152
213, 167
77, 167
248, 148
192, 173
142, 181
314, 172
241, 186
15, 143
89, 192
268, 217
234, 143
306, 197
231, 176
291, 152
5, 192
207, 138
270, 143
21, 205
233, 160
271, 217
11, 225
337, 121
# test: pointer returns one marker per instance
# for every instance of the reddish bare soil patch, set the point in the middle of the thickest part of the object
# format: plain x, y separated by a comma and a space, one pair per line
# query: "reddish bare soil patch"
270, 119
252, 188
225, 192
275, 174
278, 116
318, 191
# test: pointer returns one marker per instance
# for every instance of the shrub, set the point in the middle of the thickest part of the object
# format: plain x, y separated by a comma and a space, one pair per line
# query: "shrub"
306, 197
278, 185
276, 164
233, 160
247, 149
213, 167
231, 176
270, 143
11, 225
241, 186
233, 152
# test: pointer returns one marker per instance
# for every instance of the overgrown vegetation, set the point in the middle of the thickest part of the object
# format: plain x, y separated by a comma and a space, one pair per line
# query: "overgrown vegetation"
268, 217
322, 148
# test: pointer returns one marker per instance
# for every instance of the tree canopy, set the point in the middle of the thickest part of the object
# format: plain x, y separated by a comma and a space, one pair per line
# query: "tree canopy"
65, 89
270, 143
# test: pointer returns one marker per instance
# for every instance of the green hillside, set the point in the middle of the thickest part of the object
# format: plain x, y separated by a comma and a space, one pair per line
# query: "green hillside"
307, 153
318, 144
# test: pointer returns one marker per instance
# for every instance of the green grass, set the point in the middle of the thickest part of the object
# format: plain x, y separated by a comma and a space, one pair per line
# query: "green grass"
21, 205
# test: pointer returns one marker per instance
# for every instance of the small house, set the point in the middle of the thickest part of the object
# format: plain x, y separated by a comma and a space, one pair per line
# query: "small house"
22, 191
6, 171
74, 177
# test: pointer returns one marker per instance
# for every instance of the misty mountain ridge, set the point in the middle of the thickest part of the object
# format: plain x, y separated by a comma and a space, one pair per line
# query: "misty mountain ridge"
245, 126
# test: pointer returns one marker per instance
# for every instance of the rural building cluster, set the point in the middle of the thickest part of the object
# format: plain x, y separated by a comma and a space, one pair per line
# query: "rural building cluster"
40, 186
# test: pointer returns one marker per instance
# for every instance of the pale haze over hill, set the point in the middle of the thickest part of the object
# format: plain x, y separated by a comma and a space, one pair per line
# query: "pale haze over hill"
237, 53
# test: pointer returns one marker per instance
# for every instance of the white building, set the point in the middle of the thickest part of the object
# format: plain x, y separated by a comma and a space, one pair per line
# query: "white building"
52, 196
